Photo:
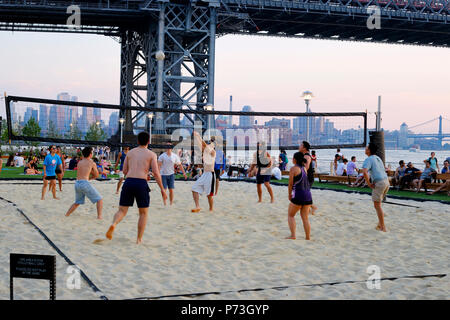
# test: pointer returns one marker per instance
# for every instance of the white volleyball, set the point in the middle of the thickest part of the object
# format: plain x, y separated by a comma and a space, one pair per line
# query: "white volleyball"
159, 55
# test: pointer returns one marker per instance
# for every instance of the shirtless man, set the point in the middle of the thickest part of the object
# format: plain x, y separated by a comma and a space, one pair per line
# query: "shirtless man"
136, 168
304, 148
87, 170
206, 183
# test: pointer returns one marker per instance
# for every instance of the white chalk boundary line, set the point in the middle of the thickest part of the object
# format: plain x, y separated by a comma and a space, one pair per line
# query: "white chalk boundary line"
83, 275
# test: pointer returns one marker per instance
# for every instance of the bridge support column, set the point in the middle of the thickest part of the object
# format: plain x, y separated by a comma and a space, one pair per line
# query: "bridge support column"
183, 79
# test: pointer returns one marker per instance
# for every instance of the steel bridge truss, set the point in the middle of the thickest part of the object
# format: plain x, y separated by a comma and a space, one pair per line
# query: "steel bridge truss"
183, 79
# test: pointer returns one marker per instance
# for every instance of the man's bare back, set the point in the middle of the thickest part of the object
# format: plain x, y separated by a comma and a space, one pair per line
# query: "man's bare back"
85, 167
138, 162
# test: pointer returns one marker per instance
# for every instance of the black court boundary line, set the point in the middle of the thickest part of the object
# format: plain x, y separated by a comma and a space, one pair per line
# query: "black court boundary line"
198, 294
83, 275
338, 190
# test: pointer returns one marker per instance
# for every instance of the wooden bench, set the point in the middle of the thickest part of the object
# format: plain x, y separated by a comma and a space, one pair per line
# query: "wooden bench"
434, 185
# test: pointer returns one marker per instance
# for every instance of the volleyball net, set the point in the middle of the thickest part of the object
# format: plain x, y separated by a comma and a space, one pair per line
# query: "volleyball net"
81, 123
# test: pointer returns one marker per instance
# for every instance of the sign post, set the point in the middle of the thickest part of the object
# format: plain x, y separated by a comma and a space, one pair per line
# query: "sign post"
33, 266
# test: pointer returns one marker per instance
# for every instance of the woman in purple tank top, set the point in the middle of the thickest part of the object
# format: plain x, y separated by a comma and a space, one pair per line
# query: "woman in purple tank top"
299, 196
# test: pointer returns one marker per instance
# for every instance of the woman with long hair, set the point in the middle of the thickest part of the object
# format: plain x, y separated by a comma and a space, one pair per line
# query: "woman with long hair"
299, 196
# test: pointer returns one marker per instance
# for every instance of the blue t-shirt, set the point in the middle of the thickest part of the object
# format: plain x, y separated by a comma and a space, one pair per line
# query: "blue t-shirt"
51, 162
445, 170
433, 162
426, 173
376, 168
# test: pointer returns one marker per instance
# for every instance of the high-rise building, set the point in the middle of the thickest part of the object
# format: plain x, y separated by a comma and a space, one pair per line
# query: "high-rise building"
113, 123
43, 118
246, 121
97, 113
30, 113
403, 136
14, 115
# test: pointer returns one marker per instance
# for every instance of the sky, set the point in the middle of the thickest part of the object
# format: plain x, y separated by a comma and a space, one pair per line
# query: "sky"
267, 73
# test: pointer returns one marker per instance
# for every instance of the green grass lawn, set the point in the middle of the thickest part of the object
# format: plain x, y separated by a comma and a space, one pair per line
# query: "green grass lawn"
17, 173
396, 193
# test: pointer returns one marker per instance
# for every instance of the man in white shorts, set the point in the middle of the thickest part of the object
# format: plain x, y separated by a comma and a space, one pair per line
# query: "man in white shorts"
167, 162
86, 170
206, 182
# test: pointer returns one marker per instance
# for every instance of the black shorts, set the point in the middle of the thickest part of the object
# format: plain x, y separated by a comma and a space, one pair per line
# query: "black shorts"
134, 188
427, 180
262, 178
217, 172
50, 178
301, 203
58, 171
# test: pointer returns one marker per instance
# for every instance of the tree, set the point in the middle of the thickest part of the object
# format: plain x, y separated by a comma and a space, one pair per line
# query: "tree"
95, 133
4, 134
52, 130
32, 129
74, 132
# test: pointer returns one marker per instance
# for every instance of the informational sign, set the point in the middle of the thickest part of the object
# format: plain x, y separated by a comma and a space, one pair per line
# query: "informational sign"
33, 266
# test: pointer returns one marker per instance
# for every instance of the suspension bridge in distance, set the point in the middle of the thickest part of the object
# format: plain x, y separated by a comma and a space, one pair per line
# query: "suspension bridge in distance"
185, 32
440, 136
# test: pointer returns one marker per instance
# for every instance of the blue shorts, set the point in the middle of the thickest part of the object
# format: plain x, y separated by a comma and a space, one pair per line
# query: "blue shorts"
84, 189
168, 181
134, 188
262, 178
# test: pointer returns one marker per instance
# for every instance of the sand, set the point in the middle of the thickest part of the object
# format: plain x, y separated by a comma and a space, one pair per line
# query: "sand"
239, 246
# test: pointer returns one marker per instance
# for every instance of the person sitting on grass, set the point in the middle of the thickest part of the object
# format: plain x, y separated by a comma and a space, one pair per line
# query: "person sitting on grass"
425, 176
195, 173
31, 167
10, 161
103, 172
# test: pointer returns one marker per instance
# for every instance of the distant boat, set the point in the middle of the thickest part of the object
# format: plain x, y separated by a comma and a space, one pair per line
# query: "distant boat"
414, 149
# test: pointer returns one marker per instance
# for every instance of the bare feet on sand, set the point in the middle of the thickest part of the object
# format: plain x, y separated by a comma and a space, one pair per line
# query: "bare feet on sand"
109, 234
196, 210
290, 237
379, 228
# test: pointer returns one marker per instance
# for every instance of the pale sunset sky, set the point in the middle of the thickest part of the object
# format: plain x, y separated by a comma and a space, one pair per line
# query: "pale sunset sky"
267, 73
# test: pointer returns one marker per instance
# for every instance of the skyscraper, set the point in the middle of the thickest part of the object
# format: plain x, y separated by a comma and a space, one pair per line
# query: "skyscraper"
43, 118
246, 121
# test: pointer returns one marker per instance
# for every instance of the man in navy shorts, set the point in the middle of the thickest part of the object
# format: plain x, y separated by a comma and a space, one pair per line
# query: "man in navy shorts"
136, 168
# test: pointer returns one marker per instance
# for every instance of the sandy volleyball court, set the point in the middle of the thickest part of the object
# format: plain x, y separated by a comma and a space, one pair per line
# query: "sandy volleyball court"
239, 246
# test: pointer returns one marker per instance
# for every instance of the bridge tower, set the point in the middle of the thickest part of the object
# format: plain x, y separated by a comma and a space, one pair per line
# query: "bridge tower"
440, 134
183, 78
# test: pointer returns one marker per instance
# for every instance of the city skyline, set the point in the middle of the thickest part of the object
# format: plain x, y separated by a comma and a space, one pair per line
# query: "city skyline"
265, 73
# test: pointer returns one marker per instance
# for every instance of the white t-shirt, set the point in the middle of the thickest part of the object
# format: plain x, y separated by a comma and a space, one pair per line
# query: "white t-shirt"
276, 172
168, 163
19, 161
340, 168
